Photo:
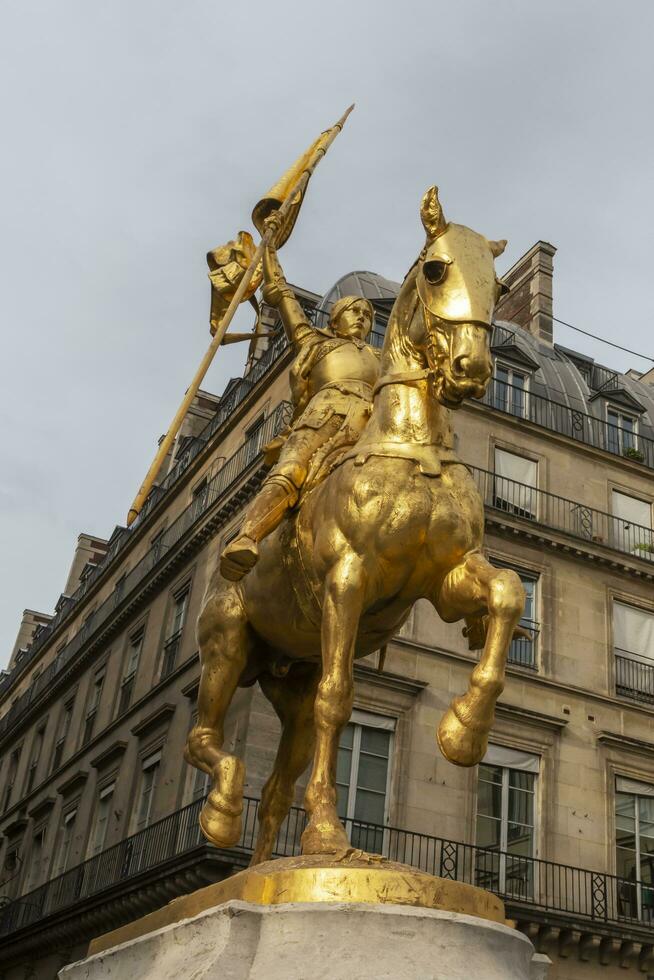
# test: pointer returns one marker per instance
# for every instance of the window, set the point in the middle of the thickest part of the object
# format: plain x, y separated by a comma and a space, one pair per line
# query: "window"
633, 644
634, 846
622, 432
515, 481
64, 842
98, 834
254, 439
200, 497
147, 790
34, 759
505, 821
523, 651
362, 777
174, 632
35, 860
134, 647
92, 707
509, 392
64, 726
14, 759
156, 544
119, 588
631, 527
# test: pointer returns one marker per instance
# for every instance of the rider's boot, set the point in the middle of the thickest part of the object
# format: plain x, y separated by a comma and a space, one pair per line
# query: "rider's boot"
264, 515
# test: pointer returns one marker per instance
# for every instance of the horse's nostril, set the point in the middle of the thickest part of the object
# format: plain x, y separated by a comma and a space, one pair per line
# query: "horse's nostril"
460, 366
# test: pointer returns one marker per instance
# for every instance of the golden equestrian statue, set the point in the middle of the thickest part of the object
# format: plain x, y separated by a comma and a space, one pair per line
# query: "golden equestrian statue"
396, 518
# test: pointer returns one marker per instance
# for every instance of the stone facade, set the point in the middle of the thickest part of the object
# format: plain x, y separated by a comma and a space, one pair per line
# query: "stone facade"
94, 715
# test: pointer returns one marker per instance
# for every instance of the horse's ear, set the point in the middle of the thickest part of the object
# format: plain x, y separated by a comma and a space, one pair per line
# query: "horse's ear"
431, 212
498, 247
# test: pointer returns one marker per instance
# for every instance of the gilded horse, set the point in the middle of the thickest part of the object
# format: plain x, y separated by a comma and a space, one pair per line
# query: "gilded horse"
398, 519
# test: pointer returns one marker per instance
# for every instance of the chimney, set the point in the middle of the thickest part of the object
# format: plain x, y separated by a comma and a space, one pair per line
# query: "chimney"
529, 303
29, 623
88, 549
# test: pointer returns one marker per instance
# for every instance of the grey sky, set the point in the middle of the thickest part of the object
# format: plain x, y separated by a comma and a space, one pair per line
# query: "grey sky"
138, 134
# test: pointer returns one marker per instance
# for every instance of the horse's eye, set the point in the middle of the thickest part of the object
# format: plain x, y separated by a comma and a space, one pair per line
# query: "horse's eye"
434, 272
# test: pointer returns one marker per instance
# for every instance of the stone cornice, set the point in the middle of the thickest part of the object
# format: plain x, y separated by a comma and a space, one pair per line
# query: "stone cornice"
533, 718
74, 782
110, 754
616, 740
159, 716
396, 682
533, 677
42, 807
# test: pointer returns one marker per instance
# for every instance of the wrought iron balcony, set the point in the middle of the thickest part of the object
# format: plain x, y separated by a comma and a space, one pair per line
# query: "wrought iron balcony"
561, 514
634, 677
578, 425
526, 884
522, 651
170, 651
218, 490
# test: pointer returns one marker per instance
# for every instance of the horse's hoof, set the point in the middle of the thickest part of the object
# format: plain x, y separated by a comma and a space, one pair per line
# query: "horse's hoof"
220, 826
324, 840
238, 558
459, 744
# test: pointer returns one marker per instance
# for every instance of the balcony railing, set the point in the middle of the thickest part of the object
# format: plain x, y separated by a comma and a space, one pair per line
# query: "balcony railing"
170, 651
560, 514
523, 882
634, 677
218, 489
571, 422
522, 651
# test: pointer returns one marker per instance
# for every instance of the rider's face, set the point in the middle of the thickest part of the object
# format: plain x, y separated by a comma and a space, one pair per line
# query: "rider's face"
355, 322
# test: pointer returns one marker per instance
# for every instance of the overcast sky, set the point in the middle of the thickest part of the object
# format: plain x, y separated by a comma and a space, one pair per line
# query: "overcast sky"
138, 134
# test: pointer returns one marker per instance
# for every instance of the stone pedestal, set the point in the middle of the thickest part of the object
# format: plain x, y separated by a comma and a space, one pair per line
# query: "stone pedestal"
239, 940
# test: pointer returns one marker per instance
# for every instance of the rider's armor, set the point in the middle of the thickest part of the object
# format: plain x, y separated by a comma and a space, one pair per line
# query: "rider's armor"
332, 380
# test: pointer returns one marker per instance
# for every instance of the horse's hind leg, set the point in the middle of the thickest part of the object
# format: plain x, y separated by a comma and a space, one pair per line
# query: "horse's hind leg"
472, 588
224, 642
293, 698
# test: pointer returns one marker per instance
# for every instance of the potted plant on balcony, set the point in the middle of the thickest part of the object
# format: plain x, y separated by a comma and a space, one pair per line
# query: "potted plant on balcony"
632, 453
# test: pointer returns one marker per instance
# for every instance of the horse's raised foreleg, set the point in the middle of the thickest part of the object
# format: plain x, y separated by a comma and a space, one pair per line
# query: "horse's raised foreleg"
471, 588
343, 598
224, 643
293, 698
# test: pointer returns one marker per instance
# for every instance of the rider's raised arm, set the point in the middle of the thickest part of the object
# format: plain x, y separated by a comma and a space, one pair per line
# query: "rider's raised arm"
277, 292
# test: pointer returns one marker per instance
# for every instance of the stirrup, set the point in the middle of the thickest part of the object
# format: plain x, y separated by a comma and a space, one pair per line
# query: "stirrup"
238, 558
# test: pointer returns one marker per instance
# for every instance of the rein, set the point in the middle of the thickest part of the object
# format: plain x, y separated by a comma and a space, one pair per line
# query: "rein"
402, 378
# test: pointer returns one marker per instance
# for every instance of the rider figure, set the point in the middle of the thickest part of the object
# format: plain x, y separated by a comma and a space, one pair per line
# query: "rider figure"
332, 381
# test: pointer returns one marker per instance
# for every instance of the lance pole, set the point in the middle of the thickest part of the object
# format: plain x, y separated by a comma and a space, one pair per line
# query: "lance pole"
217, 338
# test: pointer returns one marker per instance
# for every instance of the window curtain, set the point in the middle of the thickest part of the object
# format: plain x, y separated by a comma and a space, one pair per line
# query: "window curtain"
500, 755
630, 510
633, 630
516, 467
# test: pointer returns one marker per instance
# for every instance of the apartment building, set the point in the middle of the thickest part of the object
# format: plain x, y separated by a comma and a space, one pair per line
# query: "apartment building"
98, 811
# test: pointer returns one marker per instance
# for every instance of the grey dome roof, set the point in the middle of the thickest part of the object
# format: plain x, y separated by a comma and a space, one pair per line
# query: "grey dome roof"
556, 373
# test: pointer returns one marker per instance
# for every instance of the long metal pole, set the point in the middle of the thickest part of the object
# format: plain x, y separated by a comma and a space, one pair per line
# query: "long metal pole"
216, 340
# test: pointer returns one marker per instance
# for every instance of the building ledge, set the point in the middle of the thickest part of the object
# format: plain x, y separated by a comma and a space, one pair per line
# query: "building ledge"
74, 782
112, 753
42, 807
515, 712
617, 741
157, 717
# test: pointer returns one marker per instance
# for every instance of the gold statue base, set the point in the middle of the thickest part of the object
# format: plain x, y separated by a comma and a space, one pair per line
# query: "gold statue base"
357, 877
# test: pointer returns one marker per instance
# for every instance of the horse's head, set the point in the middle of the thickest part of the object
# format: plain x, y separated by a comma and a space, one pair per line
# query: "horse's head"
458, 289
